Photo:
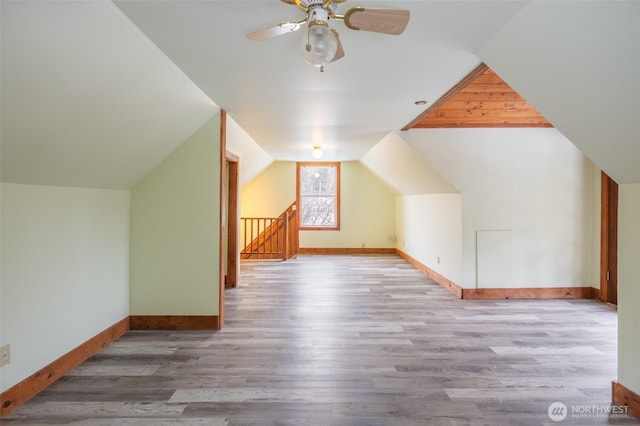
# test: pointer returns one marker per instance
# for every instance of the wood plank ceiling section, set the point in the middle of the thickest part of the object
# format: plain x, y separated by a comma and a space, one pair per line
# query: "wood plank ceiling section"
481, 99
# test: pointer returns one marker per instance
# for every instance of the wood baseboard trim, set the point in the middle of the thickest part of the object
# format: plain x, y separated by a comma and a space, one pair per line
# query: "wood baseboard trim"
175, 322
502, 293
363, 250
17, 395
443, 281
527, 293
622, 395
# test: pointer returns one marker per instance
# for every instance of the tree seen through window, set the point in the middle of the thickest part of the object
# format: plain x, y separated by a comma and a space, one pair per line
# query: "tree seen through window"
318, 195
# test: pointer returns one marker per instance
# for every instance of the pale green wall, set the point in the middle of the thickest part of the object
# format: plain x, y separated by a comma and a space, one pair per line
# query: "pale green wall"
175, 231
367, 206
629, 287
269, 194
429, 228
532, 182
596, 209
64, 272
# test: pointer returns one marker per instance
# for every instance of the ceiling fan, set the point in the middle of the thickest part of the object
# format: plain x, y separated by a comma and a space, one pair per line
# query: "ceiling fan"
321, 45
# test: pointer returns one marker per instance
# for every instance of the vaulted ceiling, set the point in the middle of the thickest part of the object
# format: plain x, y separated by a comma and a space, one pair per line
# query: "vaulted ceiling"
87, 99
288, 106
96, 93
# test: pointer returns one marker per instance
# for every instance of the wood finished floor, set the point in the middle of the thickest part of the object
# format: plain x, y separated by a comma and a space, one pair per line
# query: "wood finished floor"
349, 340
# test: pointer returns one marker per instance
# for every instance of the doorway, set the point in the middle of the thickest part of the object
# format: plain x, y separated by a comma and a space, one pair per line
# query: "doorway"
229, 264
609, 240
232, 252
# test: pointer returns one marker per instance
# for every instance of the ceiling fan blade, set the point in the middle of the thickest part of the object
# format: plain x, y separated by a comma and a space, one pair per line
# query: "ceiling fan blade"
386, 21
283, 28
340, 52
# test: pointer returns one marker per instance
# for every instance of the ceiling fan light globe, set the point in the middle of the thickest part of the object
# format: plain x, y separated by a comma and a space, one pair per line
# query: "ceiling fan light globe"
319, 45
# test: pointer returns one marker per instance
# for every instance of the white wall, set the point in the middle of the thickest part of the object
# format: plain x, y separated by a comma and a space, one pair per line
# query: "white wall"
367, 206
629, 286
533, 182
175, 215
65, 262
429, 228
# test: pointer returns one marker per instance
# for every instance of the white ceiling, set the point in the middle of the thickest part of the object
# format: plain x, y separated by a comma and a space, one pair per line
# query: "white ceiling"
97, 93
288, 106
578, 63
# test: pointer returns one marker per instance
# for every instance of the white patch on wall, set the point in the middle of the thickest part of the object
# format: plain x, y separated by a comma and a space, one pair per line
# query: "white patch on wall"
494, 252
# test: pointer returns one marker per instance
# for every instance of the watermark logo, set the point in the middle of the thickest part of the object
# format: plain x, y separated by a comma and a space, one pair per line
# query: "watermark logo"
557, 411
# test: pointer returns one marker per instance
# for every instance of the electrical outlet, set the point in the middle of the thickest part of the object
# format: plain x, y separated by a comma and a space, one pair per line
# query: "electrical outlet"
438, 260
5, 355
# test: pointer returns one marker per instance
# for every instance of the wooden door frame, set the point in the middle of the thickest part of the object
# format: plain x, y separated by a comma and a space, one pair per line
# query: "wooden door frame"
233, 258
229, 190
609, 240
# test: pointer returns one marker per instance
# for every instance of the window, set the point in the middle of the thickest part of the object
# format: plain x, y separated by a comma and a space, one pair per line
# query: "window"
318, 186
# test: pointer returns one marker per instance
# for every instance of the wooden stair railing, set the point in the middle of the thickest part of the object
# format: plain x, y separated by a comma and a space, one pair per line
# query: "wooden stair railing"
270, 238
293, 245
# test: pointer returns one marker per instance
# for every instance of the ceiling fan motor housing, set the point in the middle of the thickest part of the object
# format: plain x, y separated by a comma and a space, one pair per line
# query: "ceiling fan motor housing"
318, 15
332, 7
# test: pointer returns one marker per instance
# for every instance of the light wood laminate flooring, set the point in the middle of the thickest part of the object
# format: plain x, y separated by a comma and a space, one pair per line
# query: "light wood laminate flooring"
350, 340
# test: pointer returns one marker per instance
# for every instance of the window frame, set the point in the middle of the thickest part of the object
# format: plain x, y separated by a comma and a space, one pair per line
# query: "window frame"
299, 166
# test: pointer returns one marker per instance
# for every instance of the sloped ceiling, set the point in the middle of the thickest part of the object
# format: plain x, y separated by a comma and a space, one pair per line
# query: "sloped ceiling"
288, 106
578, 63
87, 99
91, 97
253, 158
403, 168
490, 157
